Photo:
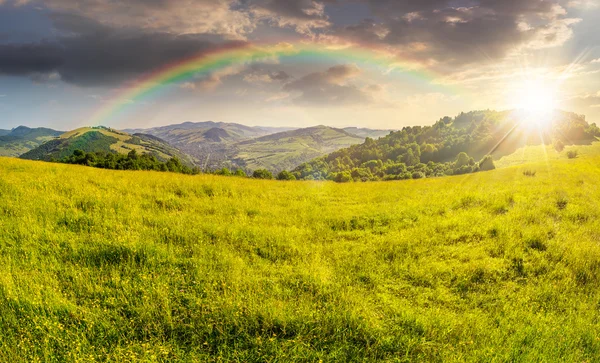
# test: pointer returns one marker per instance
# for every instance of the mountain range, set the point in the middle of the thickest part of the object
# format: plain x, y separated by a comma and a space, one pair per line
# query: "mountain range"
209, 145
218, 144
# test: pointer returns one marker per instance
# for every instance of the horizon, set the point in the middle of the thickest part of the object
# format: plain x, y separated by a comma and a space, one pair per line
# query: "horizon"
295, 127
274, 63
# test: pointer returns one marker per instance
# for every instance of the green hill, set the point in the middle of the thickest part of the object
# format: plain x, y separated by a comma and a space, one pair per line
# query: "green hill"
100, 265
20, 140
104, 140
286, 150
457, 145
364, 132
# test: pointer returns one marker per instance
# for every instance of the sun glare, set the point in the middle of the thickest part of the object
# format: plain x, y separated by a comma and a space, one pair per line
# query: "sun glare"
536, 97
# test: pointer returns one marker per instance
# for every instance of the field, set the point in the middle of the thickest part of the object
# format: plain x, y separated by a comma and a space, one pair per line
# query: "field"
99, 265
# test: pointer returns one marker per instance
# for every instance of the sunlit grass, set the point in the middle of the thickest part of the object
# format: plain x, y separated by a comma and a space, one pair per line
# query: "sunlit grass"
126, 266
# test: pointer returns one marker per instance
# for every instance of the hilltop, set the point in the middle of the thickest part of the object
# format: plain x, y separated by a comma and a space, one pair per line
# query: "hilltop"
22, 139
147, 266
104, 140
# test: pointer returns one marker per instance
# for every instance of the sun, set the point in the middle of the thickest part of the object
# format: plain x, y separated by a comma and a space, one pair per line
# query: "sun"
536, 97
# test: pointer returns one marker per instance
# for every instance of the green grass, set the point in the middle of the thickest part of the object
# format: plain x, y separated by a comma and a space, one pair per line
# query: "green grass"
99, 265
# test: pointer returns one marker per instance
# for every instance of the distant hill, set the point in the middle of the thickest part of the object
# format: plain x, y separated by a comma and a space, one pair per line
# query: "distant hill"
364, 133
102, 139
193, 132
450, 146
286, 150
220, 144
22, 139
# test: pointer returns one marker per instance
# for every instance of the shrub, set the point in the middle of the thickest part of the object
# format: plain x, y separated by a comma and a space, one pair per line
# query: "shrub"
240, 172
285, 175
559, 146
561, 202
262, 174
572, 154
529, 172
224, 171
343, 177
418, 175
487, 163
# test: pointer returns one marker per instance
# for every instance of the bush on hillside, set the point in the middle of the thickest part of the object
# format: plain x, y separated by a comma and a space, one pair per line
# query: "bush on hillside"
559, 146
262, 174
572, 154
285, 175
487, 163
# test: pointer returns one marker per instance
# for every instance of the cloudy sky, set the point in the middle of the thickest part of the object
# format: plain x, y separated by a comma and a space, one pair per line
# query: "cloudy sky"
61, 61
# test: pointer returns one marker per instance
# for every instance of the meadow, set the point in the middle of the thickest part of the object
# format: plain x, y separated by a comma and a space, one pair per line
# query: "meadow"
101, 265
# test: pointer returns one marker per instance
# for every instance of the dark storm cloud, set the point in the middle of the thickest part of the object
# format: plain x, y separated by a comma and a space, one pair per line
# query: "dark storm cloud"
454, 33
329, 88
91, 54
27, 59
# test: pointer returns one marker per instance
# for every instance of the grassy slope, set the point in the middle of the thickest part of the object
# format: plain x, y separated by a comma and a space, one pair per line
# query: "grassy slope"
100, 139
290, 149
98, 264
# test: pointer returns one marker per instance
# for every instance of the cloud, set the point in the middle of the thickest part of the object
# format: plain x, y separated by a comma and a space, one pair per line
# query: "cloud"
588, 100
211, 81
447, 34
583, 4
174, 16
267, 77
594, 61
329, 88
93, 54
303, 15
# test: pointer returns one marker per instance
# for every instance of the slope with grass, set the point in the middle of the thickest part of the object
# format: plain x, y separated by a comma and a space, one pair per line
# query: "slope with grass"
286, 150
22, 139
104, 140
146, 266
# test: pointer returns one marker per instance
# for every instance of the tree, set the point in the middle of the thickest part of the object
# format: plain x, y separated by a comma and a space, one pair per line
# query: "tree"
224, 172
285, 175
487, 163
262, 174
240, 172
461, 160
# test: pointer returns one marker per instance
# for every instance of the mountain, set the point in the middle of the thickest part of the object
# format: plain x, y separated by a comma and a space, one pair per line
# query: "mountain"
220, 144
103, 139
364, 133
194, 132
286, 150
22, 139
450, 146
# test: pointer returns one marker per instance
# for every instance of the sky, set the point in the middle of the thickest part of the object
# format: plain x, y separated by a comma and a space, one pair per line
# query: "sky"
370, 63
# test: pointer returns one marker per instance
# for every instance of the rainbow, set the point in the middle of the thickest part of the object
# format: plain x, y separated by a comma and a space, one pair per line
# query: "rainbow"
239, 54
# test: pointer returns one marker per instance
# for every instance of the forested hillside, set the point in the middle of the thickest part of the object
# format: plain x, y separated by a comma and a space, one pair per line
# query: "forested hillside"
22, 139
460, 145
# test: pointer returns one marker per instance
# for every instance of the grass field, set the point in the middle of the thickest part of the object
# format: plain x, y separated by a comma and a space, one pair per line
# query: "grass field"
100, 265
